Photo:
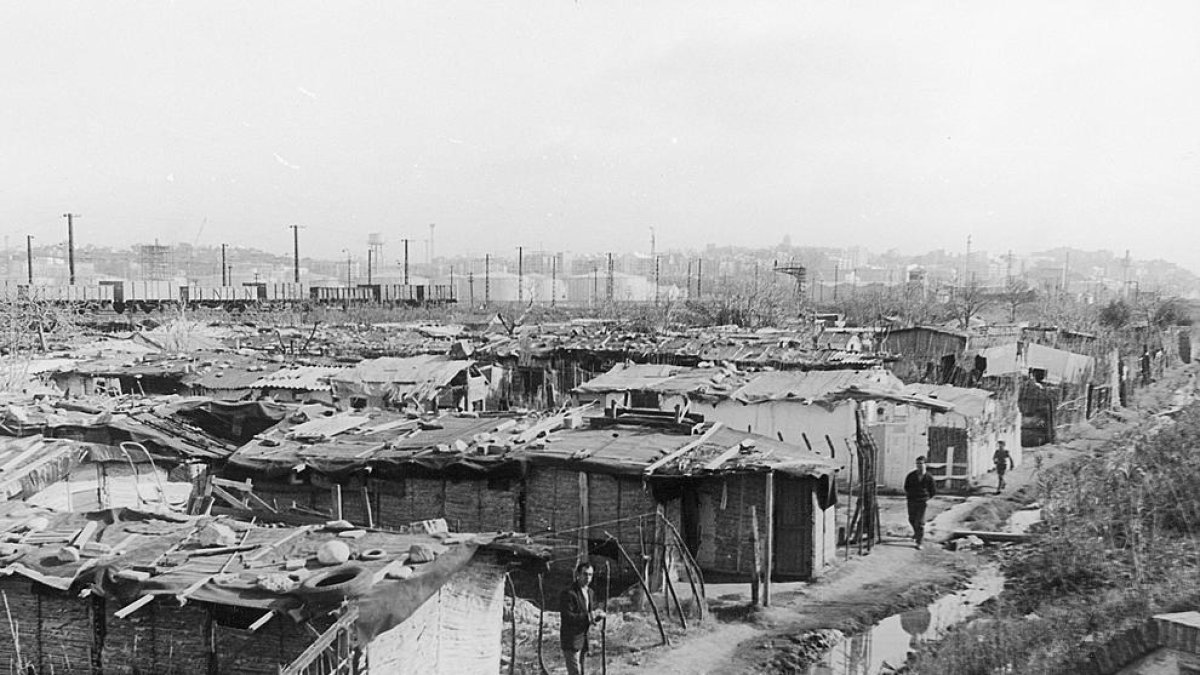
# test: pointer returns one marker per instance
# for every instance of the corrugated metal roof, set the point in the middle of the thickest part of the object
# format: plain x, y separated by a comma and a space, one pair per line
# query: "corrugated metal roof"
967, 401
813, 385
306, 378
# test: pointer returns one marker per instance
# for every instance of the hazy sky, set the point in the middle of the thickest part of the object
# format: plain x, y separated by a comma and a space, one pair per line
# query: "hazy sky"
582, 124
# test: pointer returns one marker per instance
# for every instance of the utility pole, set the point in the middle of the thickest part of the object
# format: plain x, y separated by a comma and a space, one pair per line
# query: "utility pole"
71, 244
699, 278
608, 287
349, 264
370, 254
295, 253
656, 280
405, 261
689, 280
836, 269
595, 283
520, 275
29, 256
553, 279
224, 265
487, 278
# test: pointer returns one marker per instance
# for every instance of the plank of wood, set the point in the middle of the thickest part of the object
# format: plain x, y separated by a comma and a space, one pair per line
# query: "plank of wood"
244, 486
277, 543
133, 606
224, 494
262, 621
35, 446
682, 451
990, 536
716, 462
85, 535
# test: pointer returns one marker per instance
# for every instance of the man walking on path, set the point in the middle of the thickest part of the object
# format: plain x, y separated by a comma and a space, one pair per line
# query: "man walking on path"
1004, 462
576, 605
918, 488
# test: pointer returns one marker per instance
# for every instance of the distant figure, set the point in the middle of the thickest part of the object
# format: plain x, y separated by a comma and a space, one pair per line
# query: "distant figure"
578, 614
918, 489
1004, 462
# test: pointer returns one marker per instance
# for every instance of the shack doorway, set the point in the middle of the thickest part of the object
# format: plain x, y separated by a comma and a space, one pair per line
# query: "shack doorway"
794, 525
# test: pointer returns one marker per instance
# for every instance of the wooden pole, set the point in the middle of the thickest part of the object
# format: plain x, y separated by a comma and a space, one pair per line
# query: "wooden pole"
366, 496
541, 622
512, 644
756, 571
584, 513
769, 537
604, 621
645, 589
693, 579
337, 501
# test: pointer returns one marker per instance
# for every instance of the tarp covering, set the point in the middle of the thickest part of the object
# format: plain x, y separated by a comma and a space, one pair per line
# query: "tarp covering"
416, 378
1017, 358
967, 401
628, 377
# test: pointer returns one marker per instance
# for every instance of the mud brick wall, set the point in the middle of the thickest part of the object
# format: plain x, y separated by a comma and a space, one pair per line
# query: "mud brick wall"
471, 505
732, 498
157, 638
64, 643
281, 495
262, 652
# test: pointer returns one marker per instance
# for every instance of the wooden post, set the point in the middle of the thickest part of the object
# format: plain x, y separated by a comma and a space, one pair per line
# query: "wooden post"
584, 514
366, 497
756, 571
645, 589
769, 537
337, 501
849, 496
541, 621
949, 467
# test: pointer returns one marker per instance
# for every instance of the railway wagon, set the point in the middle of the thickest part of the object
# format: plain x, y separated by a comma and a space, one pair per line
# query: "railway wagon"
335, 294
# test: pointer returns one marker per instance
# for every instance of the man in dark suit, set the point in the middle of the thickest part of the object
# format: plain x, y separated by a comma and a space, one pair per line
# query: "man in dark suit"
918, 489
578, 607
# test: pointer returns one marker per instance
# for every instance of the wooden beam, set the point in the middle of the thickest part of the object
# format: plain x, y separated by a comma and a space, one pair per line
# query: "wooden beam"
133, 606
585, 516
716, 462
225, 494
769, 537
682, 451
262, 621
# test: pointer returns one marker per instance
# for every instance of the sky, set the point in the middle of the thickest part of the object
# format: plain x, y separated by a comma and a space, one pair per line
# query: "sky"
584, 125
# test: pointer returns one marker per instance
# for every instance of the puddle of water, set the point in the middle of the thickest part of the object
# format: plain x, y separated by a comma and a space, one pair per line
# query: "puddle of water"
888, 645
1021, 521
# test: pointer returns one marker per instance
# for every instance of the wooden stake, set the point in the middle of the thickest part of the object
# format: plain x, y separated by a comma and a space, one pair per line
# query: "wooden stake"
337, 501
769, 538
756, 571
366, 497
645, 589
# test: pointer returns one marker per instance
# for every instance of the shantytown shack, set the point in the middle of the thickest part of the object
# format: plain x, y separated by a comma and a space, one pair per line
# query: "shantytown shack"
578, 482
123, 591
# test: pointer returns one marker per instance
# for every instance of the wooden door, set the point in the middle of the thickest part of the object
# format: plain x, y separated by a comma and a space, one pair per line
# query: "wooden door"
793, 527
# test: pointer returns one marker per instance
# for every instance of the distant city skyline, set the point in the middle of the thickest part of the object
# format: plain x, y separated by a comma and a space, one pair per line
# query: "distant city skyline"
579, 126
